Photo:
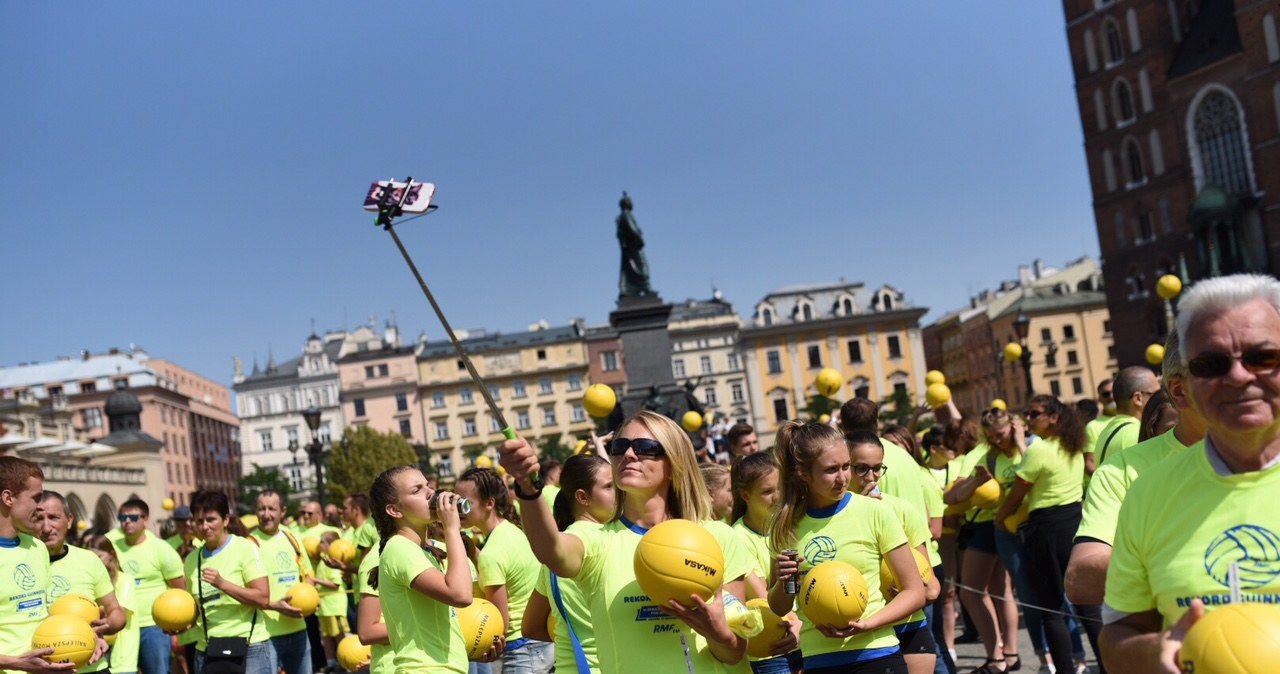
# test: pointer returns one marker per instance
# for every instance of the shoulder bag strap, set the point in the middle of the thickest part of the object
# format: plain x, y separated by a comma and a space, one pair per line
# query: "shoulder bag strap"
1107, 443
578, 655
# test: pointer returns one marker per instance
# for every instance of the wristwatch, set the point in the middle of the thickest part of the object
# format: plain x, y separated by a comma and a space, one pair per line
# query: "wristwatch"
527, 496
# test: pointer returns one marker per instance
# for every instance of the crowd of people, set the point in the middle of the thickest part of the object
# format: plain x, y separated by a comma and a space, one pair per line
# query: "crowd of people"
1119, 522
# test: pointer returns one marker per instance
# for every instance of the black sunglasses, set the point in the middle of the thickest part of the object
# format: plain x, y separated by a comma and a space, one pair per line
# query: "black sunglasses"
1213, 365
641, 446
132, 517
1032, 415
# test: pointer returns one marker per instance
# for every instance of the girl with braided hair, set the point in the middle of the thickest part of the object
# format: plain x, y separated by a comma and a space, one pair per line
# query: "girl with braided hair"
508, 569
417, 593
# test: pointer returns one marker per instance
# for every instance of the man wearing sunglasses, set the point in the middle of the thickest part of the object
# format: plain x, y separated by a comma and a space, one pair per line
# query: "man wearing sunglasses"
1134, 386
155, 567
1196, 521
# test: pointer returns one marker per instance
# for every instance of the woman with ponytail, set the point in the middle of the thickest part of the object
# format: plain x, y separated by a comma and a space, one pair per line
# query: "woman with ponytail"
755, 495
508, 569
416, 592
825, 521
585, 500
1051, 480
655, 478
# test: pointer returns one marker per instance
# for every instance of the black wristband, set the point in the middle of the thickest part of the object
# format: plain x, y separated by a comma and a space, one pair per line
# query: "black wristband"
528, 496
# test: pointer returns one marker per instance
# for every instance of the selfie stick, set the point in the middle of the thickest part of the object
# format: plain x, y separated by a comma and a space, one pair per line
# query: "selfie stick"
389, 210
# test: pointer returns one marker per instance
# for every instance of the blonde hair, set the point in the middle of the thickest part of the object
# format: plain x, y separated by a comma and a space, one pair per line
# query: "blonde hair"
687, 496
796, 448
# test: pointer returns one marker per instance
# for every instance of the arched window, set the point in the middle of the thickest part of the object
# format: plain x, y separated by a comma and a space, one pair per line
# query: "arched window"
806, 312
887, 302
1133, 162
1219, 139
1124, 103
1114, 47
767, 316
847, 305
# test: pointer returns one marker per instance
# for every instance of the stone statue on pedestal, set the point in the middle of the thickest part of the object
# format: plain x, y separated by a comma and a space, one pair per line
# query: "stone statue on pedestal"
633, 281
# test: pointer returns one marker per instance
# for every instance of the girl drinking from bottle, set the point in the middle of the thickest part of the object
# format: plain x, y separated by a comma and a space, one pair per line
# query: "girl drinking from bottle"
584, 501
656, 478
508, 569
755, 495
418, 592
825, 521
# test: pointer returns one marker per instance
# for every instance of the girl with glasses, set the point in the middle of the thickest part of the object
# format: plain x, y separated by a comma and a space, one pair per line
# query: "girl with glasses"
914, 634
1051, 480
655, 478
822, 519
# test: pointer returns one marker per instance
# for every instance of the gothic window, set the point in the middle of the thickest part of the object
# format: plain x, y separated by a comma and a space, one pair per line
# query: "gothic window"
1219, 137
1133, 161
1124, 103
1115, 50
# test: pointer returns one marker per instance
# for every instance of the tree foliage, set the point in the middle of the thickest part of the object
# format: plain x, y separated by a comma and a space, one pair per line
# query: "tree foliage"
817, 406
553, 447
261, 479
360, 457
897, 407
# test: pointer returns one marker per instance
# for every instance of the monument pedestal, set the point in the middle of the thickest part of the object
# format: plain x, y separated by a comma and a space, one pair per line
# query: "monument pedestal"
641, 323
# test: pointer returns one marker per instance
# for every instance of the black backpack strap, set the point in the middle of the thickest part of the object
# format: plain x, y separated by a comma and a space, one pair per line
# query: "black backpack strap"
1106, 444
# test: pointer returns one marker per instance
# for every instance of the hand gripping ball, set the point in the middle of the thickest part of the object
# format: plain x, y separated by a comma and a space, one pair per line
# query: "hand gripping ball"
828, 382
352, 654
772, 630
481, 624
1233, 639
174, 610
599, 400
76, 604
833, 593
1019, 518
676, 559
934, 377
312, 545
70, 637
889, 585
304, 596
342, 550
937, 395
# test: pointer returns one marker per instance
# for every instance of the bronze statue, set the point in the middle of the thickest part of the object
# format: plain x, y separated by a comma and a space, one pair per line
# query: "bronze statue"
633, 281
656, 402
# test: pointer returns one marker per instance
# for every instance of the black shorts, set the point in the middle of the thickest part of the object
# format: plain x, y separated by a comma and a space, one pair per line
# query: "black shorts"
917, 641
980, 537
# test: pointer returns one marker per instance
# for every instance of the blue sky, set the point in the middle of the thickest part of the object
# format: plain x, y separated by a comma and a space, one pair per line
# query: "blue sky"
188, 177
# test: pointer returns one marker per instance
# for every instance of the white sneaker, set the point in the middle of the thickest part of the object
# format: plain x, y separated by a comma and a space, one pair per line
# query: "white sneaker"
1082, 668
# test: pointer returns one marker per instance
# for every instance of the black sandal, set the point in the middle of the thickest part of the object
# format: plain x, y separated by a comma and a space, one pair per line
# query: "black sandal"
988, 667
1017, 662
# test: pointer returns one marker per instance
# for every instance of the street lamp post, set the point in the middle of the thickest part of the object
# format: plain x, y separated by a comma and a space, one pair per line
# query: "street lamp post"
315, 450
1021, 326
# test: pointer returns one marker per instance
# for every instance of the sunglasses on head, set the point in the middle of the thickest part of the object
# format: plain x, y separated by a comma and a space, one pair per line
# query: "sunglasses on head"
132, 517
641, 446
1213, 365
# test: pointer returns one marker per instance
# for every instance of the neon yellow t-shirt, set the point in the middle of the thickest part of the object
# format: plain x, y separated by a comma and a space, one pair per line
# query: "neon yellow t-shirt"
124, 652
549, 492
1092, 430
1112, 481
332, 602
757, 546
1118, 435
631, 631
382, 656
578, 612
1167, 554
900, 479
1056, 475
83, 572
174, 541
238, 562
948, 473
507, 559
917, 530
365, 536
858, 530
24, 585
425, 632
152, 563
934, 507
285, 567
1005, 473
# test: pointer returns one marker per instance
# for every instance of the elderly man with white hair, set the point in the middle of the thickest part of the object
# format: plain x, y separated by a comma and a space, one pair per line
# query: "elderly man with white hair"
1187, 521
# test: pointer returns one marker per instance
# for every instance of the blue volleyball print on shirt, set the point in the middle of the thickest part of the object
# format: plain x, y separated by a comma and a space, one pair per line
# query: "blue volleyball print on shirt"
1256, 549
820, 549
24, 577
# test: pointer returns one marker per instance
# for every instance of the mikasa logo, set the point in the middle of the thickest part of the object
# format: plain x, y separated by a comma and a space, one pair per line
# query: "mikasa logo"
700, 566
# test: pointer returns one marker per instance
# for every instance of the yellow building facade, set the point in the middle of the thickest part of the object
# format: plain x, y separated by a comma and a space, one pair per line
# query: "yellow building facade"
871, 336
536, 378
